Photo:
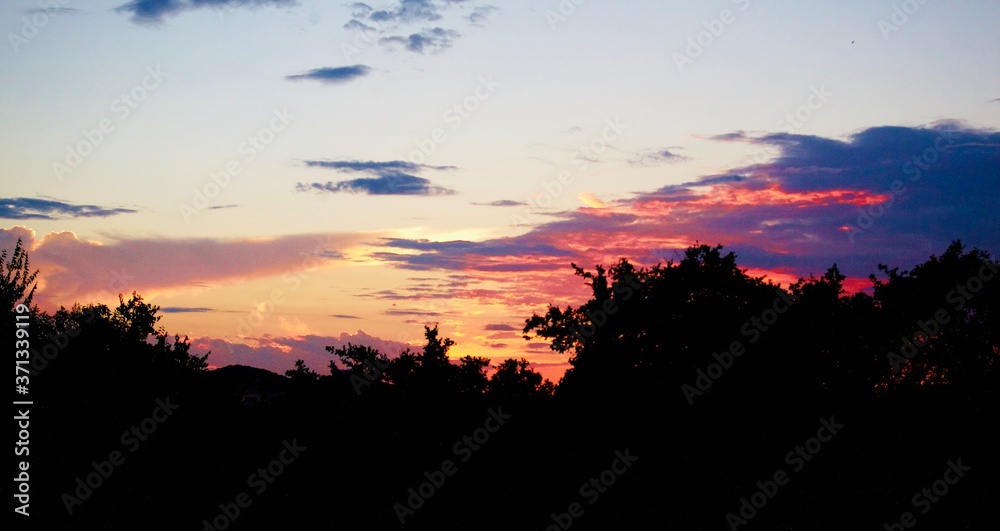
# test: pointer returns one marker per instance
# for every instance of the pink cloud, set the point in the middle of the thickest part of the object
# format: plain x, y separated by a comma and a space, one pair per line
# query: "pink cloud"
73, 268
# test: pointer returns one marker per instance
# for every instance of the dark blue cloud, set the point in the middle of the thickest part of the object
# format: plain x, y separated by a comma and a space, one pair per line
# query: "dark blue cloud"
389, 178
332, 75
393, 184
155, 11
428, 40
408, 11
819, 201
393, 24
459, 255
872, 158
37, 208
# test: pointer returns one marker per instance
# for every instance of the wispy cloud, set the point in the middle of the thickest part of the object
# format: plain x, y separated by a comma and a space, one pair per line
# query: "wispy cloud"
332, 75
503, 203
428, 40
480, 14
38, 208
180, 309
368, 166
660, 156
411, 312
407, 23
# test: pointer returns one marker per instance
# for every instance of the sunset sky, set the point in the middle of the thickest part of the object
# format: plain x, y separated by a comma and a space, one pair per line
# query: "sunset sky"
280, 175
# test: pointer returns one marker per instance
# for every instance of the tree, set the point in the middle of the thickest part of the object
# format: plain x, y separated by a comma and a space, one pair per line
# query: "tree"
301, 373
648, 329
178, 354
515, 380
471, 375
135, 319
17, 281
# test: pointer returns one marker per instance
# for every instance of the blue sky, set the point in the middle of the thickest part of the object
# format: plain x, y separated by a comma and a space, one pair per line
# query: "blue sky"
551, 132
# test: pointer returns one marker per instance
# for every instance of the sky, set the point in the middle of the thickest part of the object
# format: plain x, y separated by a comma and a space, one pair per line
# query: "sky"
280, 176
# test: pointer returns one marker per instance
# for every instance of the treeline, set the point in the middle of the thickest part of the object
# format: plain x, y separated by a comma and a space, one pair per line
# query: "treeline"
705, 377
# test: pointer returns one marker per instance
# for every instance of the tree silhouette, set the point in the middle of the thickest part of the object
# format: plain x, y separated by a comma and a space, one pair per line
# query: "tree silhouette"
301, 373
17, 284
514, 380
470, 378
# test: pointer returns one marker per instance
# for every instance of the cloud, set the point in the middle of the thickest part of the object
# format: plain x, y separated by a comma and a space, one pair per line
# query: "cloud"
398, 184
155, 11
37, 208
507, 254
397, 25
53, 11
178, 309
503, 203
735, 136
342, 316
278, 354
501, 328
73, 268
428, 40
332, 75
390, 178
591, 200
402, 312
819, 201
408, 11
480, 14
661, 156
373, 167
